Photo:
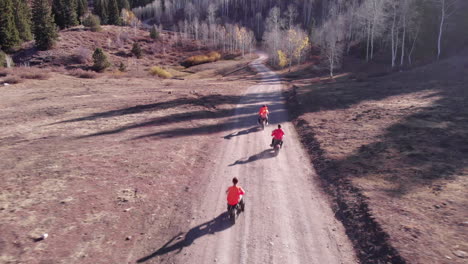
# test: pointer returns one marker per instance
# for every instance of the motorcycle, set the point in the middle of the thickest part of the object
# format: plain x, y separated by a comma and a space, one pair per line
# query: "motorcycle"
234, 211
262, 121
277, 145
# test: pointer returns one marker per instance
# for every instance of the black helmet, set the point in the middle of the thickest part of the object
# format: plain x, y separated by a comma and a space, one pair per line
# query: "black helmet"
279, 126
264, 105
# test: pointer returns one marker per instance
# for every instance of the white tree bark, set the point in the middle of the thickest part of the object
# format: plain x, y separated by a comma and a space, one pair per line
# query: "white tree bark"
405, 11
374, 18
368, 26
447, 9
393, 35
412, 46
441, 27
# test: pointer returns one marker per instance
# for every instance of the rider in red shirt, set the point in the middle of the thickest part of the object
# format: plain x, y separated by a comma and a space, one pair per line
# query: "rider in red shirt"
234, 195
277, 135
263, 113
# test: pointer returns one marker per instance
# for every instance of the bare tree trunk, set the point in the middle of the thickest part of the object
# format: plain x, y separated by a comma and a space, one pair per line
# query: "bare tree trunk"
332, 61
404, 38
442, 20
394, 45
350, 33
368, 40
373, 30
414, 42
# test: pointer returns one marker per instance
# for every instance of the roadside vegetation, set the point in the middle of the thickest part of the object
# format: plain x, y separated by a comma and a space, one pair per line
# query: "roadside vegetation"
158, 71
200, 59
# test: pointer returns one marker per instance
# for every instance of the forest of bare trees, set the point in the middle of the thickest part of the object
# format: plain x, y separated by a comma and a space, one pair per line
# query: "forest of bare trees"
397, 32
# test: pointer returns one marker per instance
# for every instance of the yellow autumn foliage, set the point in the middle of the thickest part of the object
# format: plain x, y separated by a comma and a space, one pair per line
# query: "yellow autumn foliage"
129, 18
200, 59
158, 71
282, 59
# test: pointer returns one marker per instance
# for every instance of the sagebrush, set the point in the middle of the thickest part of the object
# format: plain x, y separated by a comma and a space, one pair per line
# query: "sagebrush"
79, 73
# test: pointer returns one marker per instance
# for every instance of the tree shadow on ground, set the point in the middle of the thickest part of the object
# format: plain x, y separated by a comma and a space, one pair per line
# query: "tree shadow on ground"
346, 92
210, 101
218, 224
421, 149
427, 144
266, 154
241, 117
242, 132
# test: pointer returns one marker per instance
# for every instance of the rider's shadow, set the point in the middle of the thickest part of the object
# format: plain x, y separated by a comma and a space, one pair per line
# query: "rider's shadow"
217, 224
242, 132
266, 154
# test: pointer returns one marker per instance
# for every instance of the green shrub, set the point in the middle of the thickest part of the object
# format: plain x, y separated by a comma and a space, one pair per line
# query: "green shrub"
5, 60
136, 50
200, 59
2, 59
100, 60
92, 22
122, 67
158, 71
154, 34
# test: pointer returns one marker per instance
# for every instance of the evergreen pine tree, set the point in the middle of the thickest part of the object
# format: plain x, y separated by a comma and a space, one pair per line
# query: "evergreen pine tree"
23, 20
154, 34
71, 12
123, 4
114, 14
57, 10
9, 36
100, 60
45, 31
81, 9
65, 12
136, 50
100, 9
92, 22
2, 59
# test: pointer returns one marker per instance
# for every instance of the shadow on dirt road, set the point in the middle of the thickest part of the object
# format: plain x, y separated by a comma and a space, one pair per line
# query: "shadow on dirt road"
242, 132
266, 154
218, 224
212, 111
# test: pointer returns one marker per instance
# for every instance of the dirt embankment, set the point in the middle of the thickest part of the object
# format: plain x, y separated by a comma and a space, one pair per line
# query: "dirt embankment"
391, 151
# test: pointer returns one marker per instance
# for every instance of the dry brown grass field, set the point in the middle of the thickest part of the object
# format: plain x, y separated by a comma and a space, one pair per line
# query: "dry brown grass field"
106, 166
392, 150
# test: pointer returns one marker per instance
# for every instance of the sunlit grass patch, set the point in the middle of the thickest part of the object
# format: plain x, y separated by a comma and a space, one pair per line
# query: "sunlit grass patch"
158, 71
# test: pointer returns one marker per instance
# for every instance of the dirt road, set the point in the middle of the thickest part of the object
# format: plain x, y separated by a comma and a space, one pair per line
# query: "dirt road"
286, 220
